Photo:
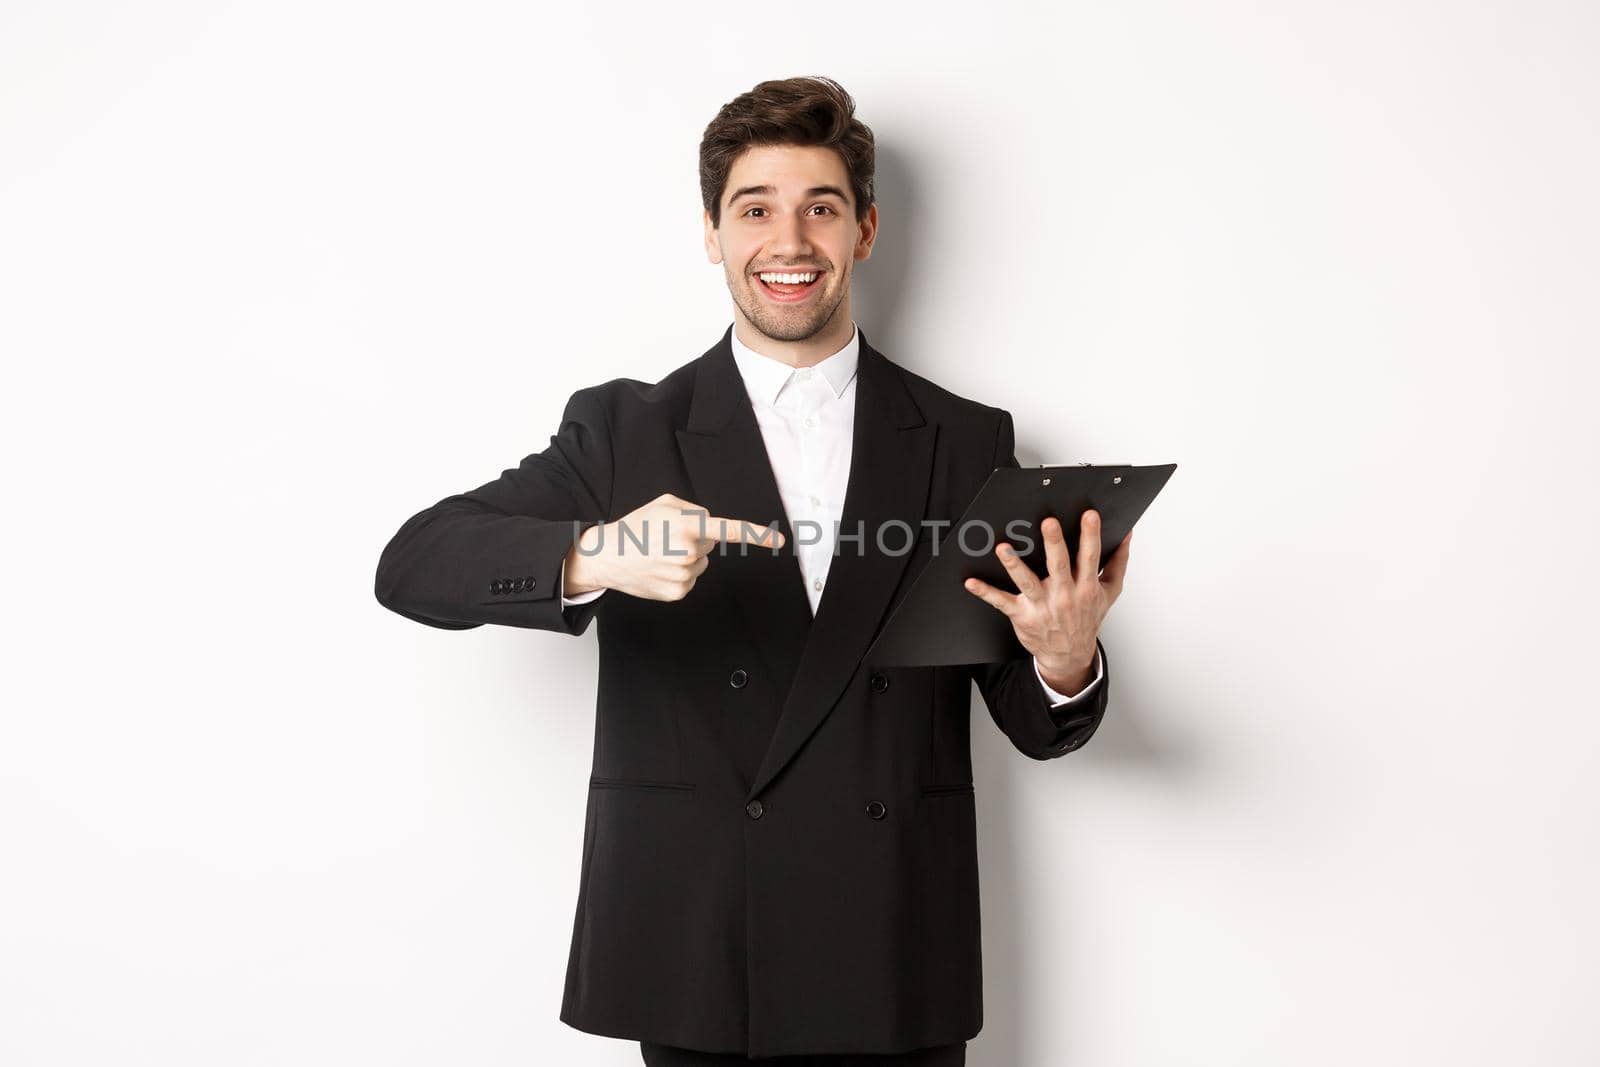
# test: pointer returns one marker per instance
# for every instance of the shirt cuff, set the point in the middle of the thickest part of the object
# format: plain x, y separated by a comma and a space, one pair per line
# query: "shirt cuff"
1059, 699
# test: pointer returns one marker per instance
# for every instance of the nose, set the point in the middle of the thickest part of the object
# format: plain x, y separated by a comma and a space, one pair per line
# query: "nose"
789, 239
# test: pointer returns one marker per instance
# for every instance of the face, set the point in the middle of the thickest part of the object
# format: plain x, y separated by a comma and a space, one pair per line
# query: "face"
790, 209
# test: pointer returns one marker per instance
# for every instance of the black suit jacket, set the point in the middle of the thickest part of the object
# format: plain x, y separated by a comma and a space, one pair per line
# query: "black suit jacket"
779, 851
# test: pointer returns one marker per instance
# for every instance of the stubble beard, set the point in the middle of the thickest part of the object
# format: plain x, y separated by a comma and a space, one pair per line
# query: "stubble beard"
796, 323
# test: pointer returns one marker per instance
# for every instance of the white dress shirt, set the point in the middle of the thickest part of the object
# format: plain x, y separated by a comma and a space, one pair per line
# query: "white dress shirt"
807, 420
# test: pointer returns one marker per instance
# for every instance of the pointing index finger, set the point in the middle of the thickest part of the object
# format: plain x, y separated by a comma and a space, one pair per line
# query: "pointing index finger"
744, 531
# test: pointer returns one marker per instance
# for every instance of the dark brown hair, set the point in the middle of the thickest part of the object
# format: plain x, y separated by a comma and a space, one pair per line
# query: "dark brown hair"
793, 111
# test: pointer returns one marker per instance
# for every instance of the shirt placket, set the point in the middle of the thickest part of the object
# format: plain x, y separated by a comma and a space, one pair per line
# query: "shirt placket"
810, 393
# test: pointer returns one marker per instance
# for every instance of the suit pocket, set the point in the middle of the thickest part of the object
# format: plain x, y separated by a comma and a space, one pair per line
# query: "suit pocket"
954, 789
639, 783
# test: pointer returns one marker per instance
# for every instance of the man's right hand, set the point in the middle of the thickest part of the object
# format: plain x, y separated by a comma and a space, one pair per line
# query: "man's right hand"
677, 537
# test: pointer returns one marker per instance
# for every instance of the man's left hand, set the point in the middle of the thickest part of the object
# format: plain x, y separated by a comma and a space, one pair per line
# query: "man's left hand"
1058, 618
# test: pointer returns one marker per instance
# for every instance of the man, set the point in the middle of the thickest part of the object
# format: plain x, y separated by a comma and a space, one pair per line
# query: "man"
779, 853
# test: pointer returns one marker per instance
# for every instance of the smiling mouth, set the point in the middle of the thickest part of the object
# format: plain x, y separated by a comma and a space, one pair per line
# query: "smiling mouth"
788, 292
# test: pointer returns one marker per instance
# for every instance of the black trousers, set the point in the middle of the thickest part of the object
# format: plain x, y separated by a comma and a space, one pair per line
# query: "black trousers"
935, 1056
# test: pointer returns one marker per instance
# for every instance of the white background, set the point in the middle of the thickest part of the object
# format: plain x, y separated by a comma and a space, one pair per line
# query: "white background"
274, 276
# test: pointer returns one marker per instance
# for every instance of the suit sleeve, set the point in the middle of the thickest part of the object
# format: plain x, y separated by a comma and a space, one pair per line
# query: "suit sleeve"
496, 554
1013, 690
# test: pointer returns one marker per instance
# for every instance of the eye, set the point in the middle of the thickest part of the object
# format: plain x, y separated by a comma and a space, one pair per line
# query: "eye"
824, 207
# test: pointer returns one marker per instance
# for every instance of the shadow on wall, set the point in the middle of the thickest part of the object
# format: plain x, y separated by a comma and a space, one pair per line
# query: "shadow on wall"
882, 285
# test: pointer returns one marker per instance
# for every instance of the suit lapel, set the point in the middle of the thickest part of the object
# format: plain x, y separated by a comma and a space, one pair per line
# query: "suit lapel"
891, 461
726, 459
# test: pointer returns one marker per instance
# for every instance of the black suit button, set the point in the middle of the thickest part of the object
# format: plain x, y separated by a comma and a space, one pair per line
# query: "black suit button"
530, 581
738, 678
494, 587
876, 809
754, 809
517, 586
879, 682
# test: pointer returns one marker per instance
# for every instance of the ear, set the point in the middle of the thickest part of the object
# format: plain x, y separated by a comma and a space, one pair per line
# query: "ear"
867, 233
713, 245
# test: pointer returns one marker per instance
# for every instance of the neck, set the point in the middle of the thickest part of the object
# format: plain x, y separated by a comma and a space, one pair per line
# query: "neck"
805, 352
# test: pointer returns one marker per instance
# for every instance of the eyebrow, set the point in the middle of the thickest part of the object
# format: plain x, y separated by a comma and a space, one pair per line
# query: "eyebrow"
768, 190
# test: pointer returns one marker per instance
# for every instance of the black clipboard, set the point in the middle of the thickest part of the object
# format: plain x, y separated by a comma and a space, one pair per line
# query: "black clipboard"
939, 623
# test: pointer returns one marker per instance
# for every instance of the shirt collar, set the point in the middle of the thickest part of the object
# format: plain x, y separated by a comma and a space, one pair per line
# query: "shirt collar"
765, 377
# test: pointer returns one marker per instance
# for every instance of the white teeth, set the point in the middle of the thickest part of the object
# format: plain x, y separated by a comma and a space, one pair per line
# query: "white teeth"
788, 279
